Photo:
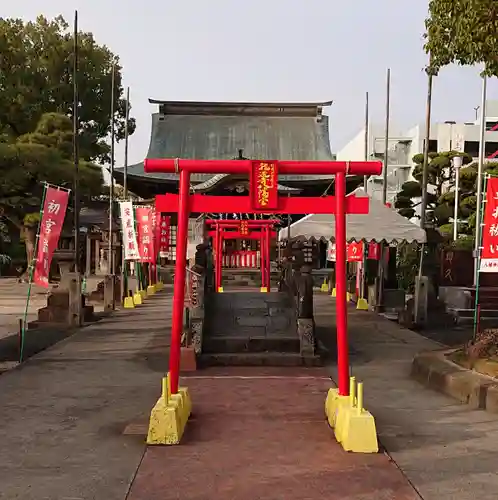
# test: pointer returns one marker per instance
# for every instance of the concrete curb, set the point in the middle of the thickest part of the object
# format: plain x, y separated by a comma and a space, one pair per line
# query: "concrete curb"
435, 370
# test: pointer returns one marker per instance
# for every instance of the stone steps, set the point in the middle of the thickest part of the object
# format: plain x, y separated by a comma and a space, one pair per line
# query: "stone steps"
258, 359
259, 344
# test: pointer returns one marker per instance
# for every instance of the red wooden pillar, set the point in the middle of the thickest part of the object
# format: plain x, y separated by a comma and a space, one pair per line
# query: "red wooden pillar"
220, 259
340, 284
179, 284
267, 262
262, 258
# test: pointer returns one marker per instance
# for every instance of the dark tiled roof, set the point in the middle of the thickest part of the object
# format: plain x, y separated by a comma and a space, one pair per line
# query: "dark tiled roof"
215, 137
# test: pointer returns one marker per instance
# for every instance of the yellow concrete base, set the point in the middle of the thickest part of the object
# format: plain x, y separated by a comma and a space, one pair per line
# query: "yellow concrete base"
348, 296
169, 416
358, 432
332, 404
220, 289
143, 293
354, 427
151, 290
137, 299
159, 286
263, 289
324, 288
128, 303
334, 293
362, 305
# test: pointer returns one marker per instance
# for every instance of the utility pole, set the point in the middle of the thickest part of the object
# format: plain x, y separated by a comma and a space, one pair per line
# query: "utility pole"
386, 145
425, 168
111, 184
127, 114
366, 155
76, 173
480, 168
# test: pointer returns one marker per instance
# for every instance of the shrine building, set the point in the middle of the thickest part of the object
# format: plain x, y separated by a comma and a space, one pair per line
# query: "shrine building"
222, 130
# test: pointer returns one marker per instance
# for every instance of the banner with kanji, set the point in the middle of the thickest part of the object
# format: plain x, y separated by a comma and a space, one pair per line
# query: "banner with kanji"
244, 228
163, 234
145, 234
264, 185
373, 251
355, 251
54, 213
331, 251
130, 245
489, 252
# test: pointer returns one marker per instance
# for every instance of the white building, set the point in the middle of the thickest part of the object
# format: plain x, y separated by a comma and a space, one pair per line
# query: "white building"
403, 146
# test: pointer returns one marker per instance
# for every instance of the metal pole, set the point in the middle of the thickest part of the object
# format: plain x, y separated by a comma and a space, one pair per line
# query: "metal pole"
76, 192
110, 259
386, 145
125, 173
457, 163
425, 167
341, 285
179, 282
367, 117
480, 168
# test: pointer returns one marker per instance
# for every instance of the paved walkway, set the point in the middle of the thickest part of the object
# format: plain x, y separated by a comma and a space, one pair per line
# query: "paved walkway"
446, 450
73, 421
64, 411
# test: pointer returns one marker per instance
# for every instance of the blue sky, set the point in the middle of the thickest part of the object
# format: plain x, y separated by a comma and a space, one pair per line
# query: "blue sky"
271, 50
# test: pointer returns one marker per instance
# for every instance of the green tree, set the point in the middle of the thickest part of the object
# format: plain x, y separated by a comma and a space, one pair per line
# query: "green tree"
36, 61
463, 32
33, 159
441, 194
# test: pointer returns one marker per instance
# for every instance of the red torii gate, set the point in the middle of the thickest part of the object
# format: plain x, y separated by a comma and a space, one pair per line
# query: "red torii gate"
267, 201
261, 229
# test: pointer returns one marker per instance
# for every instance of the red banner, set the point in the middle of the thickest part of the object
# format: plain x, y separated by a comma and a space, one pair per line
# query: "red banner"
355, 251
145, 234
163, 234
54, 212
264, 185
373, 251
489, 252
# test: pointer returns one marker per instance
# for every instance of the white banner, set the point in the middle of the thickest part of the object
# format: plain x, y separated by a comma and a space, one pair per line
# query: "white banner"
331, 251
129, 233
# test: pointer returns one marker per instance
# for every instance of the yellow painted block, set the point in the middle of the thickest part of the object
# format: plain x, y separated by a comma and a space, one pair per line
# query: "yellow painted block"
332, 404
220, 289
151, 290
137, 299
128, 303
263, 289
169, 417
348, 296
334, 293
159, 285
143, 293
362, 305
344, 408
358, 433
324, 287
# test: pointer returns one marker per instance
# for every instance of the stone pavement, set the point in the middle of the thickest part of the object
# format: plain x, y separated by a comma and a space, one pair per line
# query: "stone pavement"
66, 415
261, 434
13, 296
445, 449
63, 412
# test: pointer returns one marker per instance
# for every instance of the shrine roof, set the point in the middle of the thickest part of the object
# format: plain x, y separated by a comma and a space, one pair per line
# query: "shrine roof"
217, 131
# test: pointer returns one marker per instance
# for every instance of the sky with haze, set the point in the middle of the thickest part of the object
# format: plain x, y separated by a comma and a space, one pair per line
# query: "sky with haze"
271, 50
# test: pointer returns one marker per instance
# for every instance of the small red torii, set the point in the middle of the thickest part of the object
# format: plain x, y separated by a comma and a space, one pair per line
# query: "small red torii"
264, 198
261, 229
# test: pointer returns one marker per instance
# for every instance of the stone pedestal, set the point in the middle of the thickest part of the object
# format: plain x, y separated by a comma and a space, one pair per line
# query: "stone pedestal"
109, 292
75, 300
421, 300
305, 330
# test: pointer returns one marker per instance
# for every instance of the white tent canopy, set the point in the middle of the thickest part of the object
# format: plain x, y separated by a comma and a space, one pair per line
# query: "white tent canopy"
380, 224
